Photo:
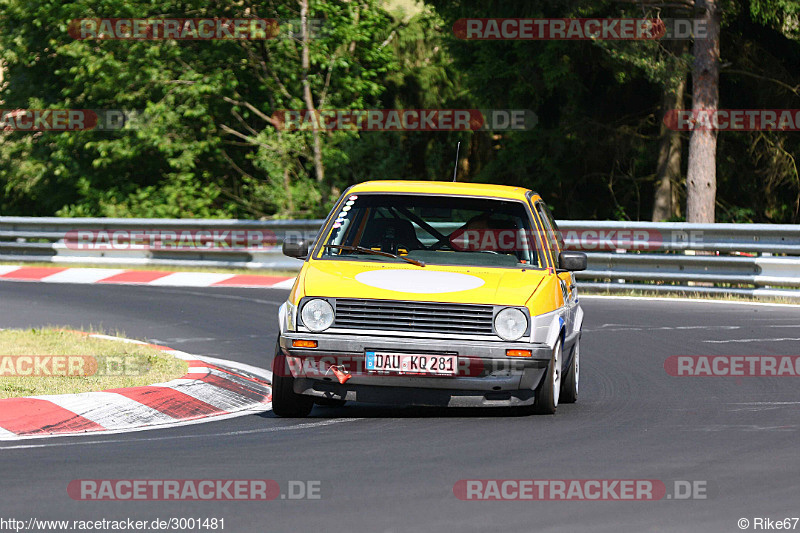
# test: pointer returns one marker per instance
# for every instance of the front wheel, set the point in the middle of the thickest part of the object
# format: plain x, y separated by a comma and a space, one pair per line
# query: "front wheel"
569, 385
549, 390
285, 401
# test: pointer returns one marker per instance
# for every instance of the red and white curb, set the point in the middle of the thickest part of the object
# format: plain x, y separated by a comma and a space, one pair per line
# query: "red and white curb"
211, 389
141, 277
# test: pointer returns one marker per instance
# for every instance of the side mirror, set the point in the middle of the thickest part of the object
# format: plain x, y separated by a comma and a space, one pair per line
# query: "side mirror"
296, 247
572, 261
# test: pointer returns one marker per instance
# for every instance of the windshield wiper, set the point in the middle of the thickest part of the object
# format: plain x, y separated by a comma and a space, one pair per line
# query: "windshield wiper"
374, 252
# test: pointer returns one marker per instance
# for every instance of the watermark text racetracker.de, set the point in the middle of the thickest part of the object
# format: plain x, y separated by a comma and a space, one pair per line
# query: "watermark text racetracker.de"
733, 119
578, 29
171, 239
733, 365
191, 29
193, 490
73, 365
514, 240
405, 119
66, 120
579, 490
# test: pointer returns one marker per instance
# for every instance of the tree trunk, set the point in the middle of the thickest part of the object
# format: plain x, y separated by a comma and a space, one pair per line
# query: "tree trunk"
668, 171
287, 184
319, 169
701, 177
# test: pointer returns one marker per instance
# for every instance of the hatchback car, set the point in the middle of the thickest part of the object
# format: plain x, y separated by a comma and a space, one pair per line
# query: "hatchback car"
431, 293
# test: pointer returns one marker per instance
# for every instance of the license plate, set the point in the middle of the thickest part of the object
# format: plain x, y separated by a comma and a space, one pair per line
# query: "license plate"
405, 363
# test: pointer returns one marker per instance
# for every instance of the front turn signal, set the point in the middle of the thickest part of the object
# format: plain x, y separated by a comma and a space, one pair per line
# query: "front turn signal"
519, 353
298, 343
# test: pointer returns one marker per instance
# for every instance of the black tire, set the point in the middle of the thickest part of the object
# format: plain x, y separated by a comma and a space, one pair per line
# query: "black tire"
285, 401
571, 379
329, 402
549, 390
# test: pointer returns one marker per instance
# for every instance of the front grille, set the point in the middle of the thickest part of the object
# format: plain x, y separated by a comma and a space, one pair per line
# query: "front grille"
425, 317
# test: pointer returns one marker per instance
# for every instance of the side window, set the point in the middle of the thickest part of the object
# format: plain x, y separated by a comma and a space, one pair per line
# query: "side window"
549, 232
547, 215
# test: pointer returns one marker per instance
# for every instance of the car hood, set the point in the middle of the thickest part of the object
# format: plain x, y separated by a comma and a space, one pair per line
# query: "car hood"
451, 284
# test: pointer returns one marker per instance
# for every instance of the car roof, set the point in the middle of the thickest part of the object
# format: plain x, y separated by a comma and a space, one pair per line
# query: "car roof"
444, 187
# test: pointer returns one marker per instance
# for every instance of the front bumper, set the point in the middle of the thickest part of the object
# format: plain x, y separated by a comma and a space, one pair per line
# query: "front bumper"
486, 376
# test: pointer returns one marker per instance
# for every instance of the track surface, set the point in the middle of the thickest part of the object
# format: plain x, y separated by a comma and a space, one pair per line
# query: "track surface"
389, 469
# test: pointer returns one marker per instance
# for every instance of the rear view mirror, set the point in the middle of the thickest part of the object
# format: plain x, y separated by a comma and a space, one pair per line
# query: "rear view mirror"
572, 261
296, 247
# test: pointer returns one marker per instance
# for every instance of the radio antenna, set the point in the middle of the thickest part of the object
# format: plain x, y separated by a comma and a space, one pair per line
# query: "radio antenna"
455, 167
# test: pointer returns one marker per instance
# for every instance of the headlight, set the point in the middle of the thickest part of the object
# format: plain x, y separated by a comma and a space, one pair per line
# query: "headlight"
510, 324
317, 315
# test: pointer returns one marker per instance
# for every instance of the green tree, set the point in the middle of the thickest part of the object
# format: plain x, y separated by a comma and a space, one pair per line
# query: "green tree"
208, 147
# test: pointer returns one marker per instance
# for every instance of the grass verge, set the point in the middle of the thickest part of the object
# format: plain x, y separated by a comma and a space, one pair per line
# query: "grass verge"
56, 361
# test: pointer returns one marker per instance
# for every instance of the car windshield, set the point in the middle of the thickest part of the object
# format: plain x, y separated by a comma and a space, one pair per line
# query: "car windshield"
443, 230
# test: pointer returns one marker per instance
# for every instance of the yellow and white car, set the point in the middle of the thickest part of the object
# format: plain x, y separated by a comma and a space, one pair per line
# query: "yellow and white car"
431, 293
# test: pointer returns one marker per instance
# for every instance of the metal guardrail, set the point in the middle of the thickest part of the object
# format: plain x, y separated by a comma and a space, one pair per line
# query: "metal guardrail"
755, 260
745, 259
53, 239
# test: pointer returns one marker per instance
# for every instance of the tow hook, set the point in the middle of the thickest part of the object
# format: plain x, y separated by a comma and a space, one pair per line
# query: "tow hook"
340, 372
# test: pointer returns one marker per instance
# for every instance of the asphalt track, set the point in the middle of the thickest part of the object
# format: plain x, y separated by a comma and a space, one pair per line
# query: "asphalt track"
386, 469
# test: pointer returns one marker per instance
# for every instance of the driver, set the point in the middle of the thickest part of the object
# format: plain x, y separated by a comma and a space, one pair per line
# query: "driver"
477, 226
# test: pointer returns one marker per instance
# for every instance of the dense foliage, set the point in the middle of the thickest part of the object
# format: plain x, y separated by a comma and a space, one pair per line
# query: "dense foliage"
208, 146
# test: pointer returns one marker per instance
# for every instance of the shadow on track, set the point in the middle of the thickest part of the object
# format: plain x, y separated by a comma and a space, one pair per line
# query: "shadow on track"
394, 411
